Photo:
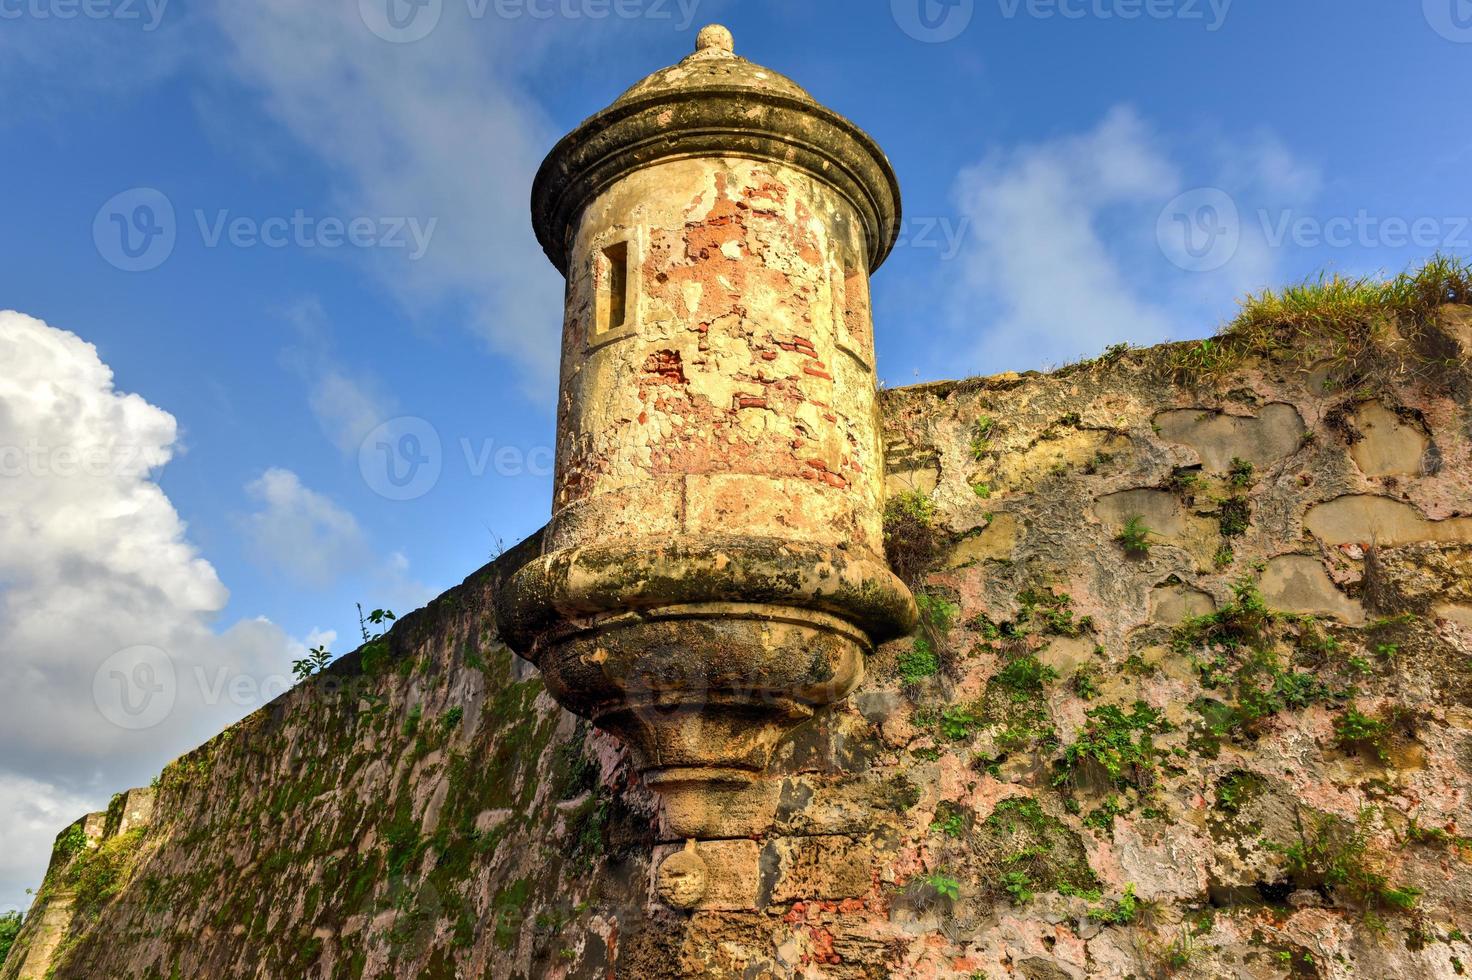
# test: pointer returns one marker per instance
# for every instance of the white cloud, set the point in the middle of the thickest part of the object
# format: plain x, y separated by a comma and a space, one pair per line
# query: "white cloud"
35, 812
346, 404
301, 532
1037, 248
111, 666
346, 408
434, 129
1062, 257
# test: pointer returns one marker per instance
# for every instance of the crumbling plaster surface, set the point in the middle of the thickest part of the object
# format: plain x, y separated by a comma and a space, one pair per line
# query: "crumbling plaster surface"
438, 815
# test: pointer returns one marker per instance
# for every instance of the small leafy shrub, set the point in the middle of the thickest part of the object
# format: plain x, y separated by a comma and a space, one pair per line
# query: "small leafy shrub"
1017, 885
1354, 731
981, 436
958, 723
1239, 473
912, 539
1047, 612
944, 885
10, 923
1120, 911
1026, 675
1118, 743
918, 663
949, 820
374, 626
1233, 517
1086, 682
1134, 537
316, 659
71, 843
1335, 857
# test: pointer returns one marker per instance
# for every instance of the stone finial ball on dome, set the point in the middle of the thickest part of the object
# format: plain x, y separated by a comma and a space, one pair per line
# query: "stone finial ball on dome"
713, 38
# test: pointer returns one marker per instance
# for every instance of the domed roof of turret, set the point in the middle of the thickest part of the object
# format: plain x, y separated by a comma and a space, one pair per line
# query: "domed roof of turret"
713, 104
714, 66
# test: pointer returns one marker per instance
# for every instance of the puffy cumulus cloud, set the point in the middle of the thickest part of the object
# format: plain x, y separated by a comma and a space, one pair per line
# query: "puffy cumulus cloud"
301, 532
111, 667
1065, 252
1037, 249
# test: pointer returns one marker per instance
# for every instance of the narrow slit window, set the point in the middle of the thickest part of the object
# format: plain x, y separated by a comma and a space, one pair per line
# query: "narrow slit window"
614, 282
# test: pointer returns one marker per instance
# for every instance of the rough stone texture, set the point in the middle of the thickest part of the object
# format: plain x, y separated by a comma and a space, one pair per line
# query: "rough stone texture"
361, 826
713, 571
1189, 695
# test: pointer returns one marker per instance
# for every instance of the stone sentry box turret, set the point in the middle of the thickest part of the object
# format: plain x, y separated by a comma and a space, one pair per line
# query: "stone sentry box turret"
714, 569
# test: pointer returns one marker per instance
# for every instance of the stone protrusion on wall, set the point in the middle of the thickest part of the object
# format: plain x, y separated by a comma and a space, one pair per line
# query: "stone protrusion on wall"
714, 569
35, 952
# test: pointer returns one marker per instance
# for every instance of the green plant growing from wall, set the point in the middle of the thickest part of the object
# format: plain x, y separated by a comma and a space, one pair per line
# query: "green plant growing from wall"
1119, 911
1336, 857
1134, 537
912, 536
981, 435
1086, 682
943, 885
374, 627
1354, 731
314, 662
1239, 473
917, 663
1233, 517
10, 923
1120, 744
949, 820
1356, 322
71, 843
1018, 886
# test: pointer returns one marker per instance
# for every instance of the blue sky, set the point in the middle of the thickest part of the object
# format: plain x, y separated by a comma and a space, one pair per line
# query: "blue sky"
1075, 173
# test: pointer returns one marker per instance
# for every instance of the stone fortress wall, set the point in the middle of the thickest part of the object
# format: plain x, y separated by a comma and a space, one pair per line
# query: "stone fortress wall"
1156, 665
1242, 751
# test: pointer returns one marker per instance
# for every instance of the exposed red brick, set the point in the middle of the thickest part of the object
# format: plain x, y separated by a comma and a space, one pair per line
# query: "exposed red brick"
664, 367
